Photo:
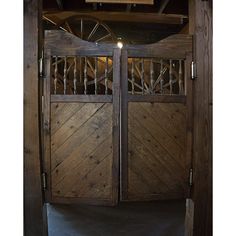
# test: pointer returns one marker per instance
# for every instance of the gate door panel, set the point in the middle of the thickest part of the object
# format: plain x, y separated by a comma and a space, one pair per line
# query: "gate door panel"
81, 114
156, 120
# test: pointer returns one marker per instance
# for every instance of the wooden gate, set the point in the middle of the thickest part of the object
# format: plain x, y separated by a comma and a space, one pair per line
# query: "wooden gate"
156, 127
88, 156
81, 120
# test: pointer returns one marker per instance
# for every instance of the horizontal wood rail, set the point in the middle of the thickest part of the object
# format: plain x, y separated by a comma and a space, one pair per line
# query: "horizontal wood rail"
157, 98
141, 17
82, 98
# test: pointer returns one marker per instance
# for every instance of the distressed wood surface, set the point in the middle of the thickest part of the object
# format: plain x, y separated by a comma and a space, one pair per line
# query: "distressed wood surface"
34, 215
149, 2
157, 163
116, 16
65, 44
201, 27
81, 151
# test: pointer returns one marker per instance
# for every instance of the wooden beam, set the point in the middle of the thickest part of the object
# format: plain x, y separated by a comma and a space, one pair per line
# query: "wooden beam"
200, 22
147, 2
163, 6
106, 16
34, 215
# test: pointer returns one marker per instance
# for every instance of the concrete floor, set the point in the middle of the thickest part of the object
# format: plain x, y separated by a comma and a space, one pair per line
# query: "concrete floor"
163, 218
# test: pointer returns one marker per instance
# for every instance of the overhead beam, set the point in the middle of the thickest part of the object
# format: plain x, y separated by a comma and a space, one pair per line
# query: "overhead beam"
132, 17
163, 6
147, 2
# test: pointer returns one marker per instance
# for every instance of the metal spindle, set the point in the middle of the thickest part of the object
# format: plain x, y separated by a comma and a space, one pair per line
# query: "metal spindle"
85, 76
151, 76
95, 75
75, 75
171, 77
142, 75
106, 76
181, 87
132, 77
55, 74
162, 77
65, 74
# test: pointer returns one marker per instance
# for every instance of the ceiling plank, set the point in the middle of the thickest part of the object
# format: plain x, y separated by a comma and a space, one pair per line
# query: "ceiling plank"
148, 2
163, 6
121, 17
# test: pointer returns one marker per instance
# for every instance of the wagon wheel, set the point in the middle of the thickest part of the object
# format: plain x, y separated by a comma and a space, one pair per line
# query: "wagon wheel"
88, 28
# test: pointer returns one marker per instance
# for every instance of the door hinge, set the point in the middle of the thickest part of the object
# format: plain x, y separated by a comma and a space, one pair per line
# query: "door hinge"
190, 177
44, 180
193, 70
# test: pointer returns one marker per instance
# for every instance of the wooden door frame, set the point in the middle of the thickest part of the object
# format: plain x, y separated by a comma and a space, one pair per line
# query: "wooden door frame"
35, 219
34, 223
199, 206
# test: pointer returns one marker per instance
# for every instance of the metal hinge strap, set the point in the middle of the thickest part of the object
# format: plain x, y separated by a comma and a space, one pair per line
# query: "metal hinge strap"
44, 180
190, 177
193, 70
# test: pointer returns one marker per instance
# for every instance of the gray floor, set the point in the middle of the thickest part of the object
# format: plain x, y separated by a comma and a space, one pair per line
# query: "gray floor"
163, 218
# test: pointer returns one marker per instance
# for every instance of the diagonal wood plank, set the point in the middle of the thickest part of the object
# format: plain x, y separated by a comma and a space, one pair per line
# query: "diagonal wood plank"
74, 181
173, 128
156, 153
75, 155
61, 112
152, 126
86, 128
76, 119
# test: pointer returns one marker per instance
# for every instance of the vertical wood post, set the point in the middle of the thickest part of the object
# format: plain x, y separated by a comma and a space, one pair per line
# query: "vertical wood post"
34, 214
200, 22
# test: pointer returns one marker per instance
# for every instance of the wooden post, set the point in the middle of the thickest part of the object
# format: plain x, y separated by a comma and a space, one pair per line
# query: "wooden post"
200, 22
34, 214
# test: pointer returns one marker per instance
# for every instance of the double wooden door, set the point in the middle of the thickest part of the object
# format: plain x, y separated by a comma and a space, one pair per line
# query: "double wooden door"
117, 122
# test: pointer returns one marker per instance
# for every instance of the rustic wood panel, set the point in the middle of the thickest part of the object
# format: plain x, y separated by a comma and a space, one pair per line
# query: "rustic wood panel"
34, 215
200, 25
81, 151
148, 2
157, 164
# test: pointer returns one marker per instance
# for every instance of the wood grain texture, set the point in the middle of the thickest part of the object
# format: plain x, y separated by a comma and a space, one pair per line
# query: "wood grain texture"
148, 2
81, 151
33, 200
118, 16
157, 165
201, 27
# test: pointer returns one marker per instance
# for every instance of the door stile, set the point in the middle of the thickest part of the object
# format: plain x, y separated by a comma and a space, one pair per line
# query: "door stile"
46, 127
189, 119
124, 126
116, 125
